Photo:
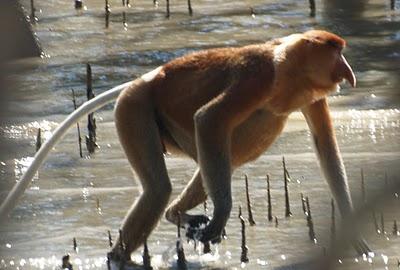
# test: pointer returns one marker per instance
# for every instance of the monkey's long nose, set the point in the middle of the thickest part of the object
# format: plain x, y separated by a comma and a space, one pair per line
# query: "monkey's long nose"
344, 71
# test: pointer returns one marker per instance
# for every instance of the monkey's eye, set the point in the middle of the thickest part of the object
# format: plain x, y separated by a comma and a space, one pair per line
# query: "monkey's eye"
334, 44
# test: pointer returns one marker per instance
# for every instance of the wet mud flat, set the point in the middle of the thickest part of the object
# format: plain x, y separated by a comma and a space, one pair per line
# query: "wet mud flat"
84, 198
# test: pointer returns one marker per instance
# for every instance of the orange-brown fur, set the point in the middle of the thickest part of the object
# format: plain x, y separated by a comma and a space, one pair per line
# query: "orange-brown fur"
225, 107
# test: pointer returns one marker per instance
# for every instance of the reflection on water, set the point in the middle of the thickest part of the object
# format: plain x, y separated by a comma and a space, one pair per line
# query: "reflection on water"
21, 131
84, 198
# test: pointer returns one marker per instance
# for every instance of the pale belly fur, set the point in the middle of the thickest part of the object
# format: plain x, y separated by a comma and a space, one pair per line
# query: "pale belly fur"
249, 140
253, 137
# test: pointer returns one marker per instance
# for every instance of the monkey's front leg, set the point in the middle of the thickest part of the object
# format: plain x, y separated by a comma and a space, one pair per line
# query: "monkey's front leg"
214, 123
213, 152
320, 123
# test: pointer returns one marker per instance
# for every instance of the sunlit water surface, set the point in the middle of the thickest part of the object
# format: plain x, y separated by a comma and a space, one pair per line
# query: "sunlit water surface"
79, 198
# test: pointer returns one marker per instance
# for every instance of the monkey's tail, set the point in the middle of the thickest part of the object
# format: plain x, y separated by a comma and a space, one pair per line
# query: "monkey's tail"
90, 106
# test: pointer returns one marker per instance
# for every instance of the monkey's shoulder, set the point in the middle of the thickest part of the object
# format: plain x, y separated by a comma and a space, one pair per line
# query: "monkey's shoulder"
254, 60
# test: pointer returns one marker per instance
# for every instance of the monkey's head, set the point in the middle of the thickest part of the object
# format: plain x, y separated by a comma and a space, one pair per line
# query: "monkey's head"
324, 62
318, 56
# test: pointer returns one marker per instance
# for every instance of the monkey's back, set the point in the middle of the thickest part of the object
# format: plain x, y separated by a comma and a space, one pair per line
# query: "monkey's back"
191, 81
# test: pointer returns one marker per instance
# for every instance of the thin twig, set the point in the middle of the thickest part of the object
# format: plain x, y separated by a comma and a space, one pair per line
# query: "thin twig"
312, 8
107, 13
333, 223
122, 250
243, 257
146, 257
124, 20
269, 199
75, 245
33, 10
310, 223
38, 139
303, 203
250, 212
91, 137
395, 228
167, 15
110, 243
252, 13
285, 179
363, 187
77, 125
179, 246
190, 7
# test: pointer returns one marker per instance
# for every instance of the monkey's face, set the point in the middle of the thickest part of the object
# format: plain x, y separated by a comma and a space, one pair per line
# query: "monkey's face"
325, 64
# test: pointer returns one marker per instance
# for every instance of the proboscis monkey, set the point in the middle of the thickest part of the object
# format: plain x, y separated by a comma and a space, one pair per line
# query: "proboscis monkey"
222, 108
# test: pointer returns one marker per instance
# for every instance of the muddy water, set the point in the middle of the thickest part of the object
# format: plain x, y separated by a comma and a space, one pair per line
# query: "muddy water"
61, 202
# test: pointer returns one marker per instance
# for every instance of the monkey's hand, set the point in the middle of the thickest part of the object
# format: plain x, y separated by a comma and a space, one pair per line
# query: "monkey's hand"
214, 229
194, 226
198, 228
210, 233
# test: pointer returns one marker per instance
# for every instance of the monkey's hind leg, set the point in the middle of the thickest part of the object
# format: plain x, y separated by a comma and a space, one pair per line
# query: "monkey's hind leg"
191, 196
140, 138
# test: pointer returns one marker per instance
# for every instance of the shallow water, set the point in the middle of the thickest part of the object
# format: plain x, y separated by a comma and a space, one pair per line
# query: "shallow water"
61, 201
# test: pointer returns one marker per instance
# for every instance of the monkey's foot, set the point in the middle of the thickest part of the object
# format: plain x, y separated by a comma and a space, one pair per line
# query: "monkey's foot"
361, 246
